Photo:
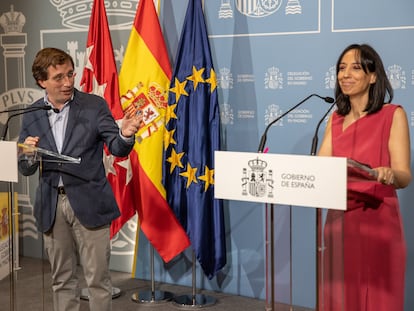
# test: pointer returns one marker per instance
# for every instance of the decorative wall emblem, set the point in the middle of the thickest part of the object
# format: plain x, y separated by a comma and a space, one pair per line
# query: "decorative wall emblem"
397, 78
330, 78
225, 9
272, 112
258, 8
12, 22
225, 78
273, 79
76, 13
226, 115
293, 7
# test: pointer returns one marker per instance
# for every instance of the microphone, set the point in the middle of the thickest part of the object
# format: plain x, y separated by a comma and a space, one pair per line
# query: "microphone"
315, 136
21, 111
329, 100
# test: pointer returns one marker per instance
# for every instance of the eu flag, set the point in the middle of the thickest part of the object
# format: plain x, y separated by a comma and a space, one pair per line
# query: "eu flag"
192, 136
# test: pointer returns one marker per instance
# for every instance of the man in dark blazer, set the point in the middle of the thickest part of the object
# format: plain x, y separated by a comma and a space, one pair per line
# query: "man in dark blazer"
74, 202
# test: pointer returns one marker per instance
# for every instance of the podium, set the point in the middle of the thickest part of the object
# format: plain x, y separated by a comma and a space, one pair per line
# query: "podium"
10, 152
43, 155
293, 180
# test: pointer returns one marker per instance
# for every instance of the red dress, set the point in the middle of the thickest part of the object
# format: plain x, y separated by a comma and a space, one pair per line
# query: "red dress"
368, 237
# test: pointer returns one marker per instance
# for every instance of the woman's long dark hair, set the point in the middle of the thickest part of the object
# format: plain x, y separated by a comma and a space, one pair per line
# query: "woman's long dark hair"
371, 63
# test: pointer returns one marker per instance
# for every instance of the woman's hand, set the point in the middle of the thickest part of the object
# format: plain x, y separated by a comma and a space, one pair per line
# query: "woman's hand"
385, 175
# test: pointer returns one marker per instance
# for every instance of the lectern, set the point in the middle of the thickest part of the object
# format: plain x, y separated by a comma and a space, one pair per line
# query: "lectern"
10, 151
293, 180
8, 173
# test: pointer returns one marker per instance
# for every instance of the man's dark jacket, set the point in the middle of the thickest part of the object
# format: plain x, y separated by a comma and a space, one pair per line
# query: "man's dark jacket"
90, 125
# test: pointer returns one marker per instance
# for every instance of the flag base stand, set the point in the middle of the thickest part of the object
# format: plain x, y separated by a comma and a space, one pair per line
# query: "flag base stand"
194, 300
152, 296
116, 292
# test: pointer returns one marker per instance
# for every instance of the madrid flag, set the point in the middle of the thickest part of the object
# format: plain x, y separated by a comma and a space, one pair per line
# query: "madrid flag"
143, 82
101, 78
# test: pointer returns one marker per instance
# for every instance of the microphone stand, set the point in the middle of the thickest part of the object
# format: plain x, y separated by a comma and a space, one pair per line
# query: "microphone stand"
318, 231
270, 209
264, 136
315, 136
21, 111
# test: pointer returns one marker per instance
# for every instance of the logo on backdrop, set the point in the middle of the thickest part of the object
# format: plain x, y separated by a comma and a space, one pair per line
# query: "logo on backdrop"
226, 114
397, 77
76, 15
273, 78
12, 22
293, 7
257, 181
258, 8
330, 78
254, 8
272, 112
225, 78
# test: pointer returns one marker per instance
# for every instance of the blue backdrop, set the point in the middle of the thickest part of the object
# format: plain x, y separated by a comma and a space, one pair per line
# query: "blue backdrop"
268, 56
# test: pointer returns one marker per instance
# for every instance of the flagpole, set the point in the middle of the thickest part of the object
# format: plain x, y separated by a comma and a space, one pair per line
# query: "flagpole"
153, 296
194, 300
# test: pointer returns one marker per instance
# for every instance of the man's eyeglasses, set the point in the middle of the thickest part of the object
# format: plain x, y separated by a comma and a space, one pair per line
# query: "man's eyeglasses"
62, 76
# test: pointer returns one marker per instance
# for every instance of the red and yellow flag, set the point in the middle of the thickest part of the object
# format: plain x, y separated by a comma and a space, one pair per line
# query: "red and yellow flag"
143, 82
100, 77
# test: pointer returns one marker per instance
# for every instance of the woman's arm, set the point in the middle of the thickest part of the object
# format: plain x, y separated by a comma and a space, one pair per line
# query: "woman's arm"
326, 146
399, 146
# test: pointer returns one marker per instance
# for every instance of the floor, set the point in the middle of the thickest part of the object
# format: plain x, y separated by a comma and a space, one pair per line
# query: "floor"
32, 292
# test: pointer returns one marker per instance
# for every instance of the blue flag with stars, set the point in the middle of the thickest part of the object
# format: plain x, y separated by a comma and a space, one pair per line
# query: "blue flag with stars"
192, 136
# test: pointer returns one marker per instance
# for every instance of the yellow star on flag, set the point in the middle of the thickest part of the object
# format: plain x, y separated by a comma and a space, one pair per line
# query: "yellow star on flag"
190, 174
169, 138
196, 77
179, 89
207, 178
175, 160
212, 80
170, 113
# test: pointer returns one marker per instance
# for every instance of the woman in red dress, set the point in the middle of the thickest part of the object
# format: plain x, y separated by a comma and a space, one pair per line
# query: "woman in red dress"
364, 247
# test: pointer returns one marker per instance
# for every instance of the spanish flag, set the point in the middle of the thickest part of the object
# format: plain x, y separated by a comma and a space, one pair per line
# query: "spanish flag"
143, 83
